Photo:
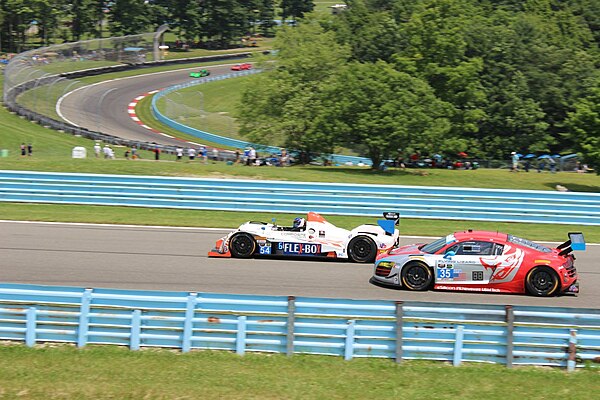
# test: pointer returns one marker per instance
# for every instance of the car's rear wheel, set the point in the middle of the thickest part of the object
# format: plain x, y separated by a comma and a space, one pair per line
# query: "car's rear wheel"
242, 245
416, 276
542, 281
362, 249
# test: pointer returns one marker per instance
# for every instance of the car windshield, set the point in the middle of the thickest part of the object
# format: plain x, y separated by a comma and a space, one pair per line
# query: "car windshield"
529, 244
434, 247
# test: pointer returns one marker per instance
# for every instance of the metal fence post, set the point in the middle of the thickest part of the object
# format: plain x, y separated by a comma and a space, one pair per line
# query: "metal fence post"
349, 349
399, 332
84, 317
458, 345
510, 328
136, 328
30, 334
240, 343
188, 323
291, 320
572, 361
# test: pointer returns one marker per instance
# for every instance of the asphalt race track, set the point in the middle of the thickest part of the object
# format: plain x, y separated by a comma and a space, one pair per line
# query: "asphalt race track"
175, 259
103, 106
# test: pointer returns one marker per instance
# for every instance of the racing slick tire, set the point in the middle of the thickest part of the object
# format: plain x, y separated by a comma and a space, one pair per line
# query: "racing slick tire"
542, 281
362, 249
416, 276
242, 245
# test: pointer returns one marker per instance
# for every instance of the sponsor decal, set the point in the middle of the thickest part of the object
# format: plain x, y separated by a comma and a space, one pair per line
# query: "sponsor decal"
311, 231
503, 266
542, 261
321, 233
467, 288
264, 249
299, 248
382, 245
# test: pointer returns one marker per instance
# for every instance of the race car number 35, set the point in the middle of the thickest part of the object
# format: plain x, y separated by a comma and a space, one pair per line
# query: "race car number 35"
299, 248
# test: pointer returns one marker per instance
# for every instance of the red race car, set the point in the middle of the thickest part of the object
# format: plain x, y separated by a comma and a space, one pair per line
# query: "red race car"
480, 261
240, 67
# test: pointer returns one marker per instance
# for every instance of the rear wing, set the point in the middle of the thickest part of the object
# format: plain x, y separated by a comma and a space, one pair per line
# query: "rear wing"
576, 242
388, 224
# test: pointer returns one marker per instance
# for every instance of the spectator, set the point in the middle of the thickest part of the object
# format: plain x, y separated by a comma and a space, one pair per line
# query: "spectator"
134, 152
552, 165
284, 158
527, 165
23, 149
204, 154
156, 153
106, 151
29, 149
541, 166
515, 162
215, 154
179, 153
247, 156
252, 156
191, 153
97, 149
237, 156
127, 152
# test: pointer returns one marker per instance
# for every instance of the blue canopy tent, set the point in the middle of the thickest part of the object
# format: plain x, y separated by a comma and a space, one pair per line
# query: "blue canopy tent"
542, 157
530, 155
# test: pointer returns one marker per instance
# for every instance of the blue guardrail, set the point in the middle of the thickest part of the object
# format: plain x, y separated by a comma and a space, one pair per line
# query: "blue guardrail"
456, 333
301, 197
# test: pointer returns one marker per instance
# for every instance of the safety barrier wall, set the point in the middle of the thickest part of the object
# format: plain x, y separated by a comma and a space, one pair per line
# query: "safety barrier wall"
457, 333
222, 140
300, 197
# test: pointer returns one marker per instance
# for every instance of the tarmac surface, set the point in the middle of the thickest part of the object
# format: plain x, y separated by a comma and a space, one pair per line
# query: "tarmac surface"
169, 258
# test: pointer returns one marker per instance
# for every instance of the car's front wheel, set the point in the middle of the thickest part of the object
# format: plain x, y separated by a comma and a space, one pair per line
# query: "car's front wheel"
242, 245
416, 276
362, 249
542, 281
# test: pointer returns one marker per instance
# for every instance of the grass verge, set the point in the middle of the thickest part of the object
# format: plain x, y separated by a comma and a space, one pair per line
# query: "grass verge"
102, 372
226, 219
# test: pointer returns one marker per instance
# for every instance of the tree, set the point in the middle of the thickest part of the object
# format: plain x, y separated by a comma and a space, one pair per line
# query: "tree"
295, 8
380, 110
583, 126
85, 17
130, 17
285, 106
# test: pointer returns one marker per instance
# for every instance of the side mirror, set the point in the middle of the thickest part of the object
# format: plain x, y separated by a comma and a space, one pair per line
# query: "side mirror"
449, 254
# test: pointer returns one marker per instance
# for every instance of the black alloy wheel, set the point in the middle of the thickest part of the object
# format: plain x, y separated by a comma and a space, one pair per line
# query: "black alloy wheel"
242, 245
542, 281
416, 276
362, 249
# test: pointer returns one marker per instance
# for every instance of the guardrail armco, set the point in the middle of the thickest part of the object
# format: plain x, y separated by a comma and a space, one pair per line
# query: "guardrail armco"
518, 335
300, 197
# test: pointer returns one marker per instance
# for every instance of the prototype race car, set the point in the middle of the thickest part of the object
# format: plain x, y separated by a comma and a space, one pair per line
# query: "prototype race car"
479, 261
240, 67
313, 237
200, 74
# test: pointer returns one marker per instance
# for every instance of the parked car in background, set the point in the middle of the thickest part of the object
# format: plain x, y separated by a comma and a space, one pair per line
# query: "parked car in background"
480, 261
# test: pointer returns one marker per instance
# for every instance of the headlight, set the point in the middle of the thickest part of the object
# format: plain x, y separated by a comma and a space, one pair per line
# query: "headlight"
386, 264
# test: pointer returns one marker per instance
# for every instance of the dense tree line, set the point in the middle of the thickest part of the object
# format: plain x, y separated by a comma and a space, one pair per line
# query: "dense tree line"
219, 23
486, 77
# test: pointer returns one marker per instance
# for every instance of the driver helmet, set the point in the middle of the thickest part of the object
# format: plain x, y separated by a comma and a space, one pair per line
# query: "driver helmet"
299, 222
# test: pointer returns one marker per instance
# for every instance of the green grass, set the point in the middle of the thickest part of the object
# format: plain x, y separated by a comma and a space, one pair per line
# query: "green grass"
225, 219
102, 372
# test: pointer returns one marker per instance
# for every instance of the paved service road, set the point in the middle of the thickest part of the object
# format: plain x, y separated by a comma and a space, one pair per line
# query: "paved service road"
175, 259
103, 106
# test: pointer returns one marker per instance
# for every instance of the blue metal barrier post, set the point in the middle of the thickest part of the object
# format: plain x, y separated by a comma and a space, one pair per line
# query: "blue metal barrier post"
240, 343
188, 323
136, 327
30, 327
572, 361
349, 349
458, 345
84, 314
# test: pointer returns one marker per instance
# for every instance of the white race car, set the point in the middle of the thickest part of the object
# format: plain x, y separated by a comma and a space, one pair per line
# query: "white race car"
310, 237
